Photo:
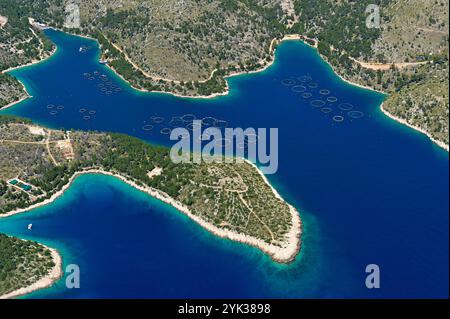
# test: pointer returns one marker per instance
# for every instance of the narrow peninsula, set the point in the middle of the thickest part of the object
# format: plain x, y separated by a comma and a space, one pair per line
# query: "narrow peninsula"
26, 266
145, 43
231, 200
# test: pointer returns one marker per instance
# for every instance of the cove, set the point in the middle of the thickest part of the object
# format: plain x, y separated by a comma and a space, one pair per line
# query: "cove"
369, 189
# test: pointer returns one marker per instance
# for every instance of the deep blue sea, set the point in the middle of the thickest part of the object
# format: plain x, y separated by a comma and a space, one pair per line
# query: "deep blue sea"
368, 189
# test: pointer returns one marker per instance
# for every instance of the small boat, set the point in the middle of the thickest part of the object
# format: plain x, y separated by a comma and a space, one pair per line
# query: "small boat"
30, 226
103, 61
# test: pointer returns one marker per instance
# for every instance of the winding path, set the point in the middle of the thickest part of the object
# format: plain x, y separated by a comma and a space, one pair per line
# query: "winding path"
386, 66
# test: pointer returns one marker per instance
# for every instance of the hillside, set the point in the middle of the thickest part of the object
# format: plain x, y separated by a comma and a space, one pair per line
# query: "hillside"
19, 45
187, 47
407, 57
36, 163
22, 263
175, 45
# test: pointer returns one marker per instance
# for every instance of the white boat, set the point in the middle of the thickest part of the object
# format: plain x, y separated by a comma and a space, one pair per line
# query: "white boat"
30, 226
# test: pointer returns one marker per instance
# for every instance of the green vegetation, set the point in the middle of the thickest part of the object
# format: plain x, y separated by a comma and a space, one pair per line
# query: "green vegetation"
423, 101
231, 196
172, 47
11, 90
22, 263
179, 44
341, 25
411, 31
19, 44
180, 51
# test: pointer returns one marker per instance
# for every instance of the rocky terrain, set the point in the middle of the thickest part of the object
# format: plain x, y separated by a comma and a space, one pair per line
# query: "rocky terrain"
406, 57
187, 47
231, 196
22, 263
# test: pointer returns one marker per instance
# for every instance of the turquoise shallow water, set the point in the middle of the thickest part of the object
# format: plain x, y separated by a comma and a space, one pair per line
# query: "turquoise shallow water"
369, 190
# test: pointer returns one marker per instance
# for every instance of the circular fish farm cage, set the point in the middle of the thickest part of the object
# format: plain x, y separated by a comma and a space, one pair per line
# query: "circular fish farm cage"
317, 103
306, 95
165, 131
176, 121
298, 88
332, 99
326, 110
355, 114
188, 117
346, 106
157, 119
221, 124
313, 85
305, 78
147, 127
209, 121
338, 118
288, 82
